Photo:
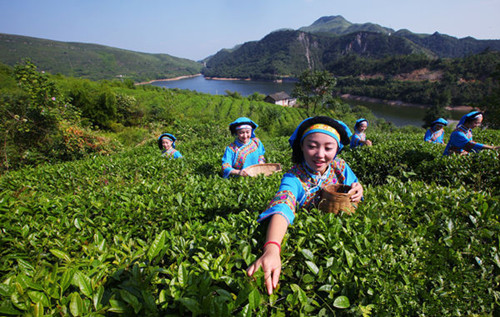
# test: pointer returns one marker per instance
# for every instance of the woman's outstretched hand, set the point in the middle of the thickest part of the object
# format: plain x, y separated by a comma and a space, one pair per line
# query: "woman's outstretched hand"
356, 192
270, 262
243, 173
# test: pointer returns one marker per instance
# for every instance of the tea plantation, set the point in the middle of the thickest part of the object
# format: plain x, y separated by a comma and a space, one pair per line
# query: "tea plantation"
138, 235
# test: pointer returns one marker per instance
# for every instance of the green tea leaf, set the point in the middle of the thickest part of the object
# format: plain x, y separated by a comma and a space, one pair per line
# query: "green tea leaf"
349, 257
84, 283
307, 254
254, 298
182, 275
97, 298
131, 299
117, 306
38, 310
66, 279
38, 297
300, 293
61, 255
156, 246
313, 267
191, 304
341, 302
6, 290
76, 305
7, 309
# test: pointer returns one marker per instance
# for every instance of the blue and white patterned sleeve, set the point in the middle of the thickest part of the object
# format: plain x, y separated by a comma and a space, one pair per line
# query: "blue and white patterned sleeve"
262, 151
227, 162
428, 135
177, 155
285, 202
349, 175
477, 147
355, 141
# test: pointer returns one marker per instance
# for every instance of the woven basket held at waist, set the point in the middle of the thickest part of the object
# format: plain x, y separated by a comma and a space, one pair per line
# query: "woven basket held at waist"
335, 198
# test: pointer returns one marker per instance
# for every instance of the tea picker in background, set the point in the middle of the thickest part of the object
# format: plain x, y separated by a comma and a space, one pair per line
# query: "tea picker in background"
315, 145
245, 151
436, 132
359, 137
166, 143
461, 139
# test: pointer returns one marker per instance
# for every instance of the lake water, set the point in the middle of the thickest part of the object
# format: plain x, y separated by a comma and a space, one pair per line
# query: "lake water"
398, 115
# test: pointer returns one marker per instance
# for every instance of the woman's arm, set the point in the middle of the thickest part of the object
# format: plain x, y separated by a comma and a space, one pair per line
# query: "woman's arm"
238, 172
491, 147
270, 260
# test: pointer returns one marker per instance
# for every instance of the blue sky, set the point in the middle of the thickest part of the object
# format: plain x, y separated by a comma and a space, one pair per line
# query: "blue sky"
195, 29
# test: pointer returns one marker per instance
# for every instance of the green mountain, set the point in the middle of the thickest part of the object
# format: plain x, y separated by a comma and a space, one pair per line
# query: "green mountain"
287, 53
333, 40
92, 61
339, 26
441, 45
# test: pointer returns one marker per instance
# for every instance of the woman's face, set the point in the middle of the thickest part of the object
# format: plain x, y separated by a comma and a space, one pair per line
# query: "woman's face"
362, 126
319, 151
474, 123
438, 126
244, 135
166, 143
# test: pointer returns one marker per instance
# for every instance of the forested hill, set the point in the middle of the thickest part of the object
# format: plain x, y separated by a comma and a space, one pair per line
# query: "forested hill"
328, 41
441, 45
289, 52
92, 61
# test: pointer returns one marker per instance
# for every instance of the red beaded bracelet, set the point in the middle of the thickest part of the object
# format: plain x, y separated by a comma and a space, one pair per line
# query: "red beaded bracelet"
272, 242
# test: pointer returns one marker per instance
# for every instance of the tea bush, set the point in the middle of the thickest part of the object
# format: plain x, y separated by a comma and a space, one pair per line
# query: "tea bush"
405, 156
136, 234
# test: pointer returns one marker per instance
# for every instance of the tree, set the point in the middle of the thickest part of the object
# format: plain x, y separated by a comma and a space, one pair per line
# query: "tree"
438, 109
31, 116
315, 89
491, 103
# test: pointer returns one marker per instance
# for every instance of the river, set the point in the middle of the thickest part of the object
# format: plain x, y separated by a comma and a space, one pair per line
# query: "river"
399, 115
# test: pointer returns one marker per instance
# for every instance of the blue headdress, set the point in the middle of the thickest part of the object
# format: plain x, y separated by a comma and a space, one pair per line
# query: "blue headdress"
168, 136
470, 116
233, 126
334, 128
358, 122
440, 120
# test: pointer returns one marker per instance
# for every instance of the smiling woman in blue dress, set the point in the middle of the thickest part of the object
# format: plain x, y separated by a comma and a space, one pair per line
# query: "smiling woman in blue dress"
245, 151
166, 143
435, 133
461, 139
315, 145
359, 137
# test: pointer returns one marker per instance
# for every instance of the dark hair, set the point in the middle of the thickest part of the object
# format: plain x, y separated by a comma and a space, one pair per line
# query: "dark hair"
233, 127
474, 117
297, 155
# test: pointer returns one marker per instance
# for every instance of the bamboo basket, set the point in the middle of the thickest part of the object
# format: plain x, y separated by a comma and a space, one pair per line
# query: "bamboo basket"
263, 169
334, 198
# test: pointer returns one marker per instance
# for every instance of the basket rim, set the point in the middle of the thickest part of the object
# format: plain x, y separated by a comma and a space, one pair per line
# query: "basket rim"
331, 186
263, 168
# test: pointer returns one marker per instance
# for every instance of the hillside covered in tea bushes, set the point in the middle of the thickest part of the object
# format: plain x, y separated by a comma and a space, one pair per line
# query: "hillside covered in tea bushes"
96, 223
136, 234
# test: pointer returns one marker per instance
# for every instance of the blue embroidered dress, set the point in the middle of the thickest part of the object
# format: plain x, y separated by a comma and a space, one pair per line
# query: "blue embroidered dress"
434, 137
356, 140
458, 141
240, 156
301, 186
172, 153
